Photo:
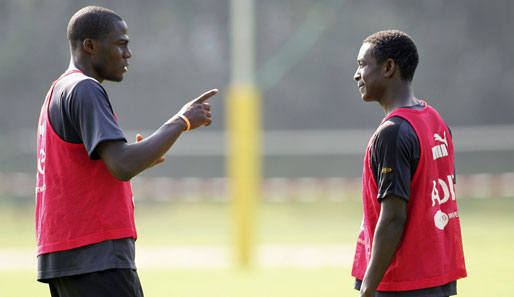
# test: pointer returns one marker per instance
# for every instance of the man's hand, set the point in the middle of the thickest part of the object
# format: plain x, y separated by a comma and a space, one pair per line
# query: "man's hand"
139, 137
367, 294
197, 111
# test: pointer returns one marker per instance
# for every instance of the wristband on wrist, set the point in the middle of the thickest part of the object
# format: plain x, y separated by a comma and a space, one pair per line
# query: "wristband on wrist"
188, 123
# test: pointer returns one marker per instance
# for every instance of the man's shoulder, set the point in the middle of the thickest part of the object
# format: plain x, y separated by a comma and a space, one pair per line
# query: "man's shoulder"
78, 83
79, 94
394, 133
393, 127
87, 84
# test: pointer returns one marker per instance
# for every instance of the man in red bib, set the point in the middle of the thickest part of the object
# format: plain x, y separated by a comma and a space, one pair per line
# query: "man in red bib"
84, 206
410, 240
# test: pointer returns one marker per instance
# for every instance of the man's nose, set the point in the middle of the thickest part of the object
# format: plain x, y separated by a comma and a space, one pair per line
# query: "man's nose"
356, 75
127, 54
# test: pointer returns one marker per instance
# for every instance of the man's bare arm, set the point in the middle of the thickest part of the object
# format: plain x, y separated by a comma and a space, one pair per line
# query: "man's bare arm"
124, 161
389, 230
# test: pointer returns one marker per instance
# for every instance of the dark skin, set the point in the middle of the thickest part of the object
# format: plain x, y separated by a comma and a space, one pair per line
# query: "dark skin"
381, 82
107, 59
388, 233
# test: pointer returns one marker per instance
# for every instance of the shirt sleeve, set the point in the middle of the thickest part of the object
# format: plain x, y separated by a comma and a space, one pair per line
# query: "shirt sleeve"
394, 158
92, 116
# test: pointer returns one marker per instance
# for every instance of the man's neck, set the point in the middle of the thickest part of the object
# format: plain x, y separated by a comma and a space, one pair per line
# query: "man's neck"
86, 68
397, 97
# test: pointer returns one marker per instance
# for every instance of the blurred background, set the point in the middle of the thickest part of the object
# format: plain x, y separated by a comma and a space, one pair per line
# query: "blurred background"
314, 130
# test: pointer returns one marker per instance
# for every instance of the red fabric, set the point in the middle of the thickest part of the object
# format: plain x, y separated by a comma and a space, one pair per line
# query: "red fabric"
78, 202
430, 252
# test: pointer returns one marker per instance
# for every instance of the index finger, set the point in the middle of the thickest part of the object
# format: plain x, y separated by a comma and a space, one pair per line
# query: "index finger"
206, 96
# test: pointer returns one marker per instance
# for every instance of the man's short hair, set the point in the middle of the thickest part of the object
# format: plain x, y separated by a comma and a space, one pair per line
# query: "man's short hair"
92, 22
398, 46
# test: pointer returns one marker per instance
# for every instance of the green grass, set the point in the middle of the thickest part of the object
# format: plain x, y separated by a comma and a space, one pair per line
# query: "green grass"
488, 238
487, 224
254, 283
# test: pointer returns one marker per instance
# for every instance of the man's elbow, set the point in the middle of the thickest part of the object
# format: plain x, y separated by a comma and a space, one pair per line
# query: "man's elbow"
123, 177
396, 221
399, 221
121, 173
113, 154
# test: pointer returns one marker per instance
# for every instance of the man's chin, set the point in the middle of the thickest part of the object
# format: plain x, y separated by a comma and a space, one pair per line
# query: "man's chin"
367, 99
115, 79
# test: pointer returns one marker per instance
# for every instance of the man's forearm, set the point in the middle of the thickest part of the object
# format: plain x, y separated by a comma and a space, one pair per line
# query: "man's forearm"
153, 147
125, 161
388, 234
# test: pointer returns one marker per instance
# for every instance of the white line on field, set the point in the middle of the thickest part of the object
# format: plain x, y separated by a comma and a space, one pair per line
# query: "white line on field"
210, 257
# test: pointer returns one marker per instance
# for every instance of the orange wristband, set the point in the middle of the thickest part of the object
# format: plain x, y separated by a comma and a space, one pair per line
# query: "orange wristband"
188, 123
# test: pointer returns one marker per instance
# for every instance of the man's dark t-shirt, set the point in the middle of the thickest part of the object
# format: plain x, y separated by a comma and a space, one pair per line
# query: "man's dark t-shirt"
80, 112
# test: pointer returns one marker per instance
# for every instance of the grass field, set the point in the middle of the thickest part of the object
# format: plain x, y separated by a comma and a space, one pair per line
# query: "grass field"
487, 224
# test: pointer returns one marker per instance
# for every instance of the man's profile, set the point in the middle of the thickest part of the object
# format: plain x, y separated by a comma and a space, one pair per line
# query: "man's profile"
410, 240
85, 225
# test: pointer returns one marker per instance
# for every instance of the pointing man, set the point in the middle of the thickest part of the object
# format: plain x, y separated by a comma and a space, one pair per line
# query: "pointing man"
84, 210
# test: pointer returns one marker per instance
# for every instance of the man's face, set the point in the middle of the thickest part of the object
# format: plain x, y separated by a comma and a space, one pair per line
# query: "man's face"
110, 62
369, 74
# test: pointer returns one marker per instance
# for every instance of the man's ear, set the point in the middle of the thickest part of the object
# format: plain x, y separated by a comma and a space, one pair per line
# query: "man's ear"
89, 46
389, 68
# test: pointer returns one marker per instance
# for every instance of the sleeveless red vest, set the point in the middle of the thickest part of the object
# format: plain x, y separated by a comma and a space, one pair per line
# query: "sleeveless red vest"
430, 252
78, 202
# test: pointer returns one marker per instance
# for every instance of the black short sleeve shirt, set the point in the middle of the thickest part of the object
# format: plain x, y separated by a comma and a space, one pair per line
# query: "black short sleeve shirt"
80, 112
394, 158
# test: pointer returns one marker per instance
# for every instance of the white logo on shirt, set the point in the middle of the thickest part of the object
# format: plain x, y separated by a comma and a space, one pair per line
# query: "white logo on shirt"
440, 150
446, 188
441, 220
439, 138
